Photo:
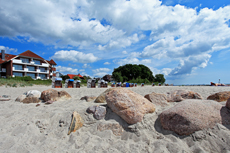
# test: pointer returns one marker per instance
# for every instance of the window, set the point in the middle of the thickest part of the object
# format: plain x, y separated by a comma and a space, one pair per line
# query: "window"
24, 60
18, 74
42, 76
32, 75
31, 68
37, 62
42, 69
53, 65
17, 67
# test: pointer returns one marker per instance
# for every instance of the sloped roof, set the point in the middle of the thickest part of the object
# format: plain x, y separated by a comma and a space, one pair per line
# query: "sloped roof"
73, 75
7, 57
29, 53
52, 62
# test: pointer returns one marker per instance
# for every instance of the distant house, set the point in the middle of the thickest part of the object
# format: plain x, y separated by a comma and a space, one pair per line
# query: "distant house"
108, 78
26, 64
73, 75
59, 74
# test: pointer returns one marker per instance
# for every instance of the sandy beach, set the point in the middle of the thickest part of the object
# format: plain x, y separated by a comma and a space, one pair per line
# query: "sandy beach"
27, 128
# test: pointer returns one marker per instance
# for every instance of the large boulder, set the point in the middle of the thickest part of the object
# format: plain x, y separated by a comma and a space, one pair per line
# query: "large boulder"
220, 96
129, 105
179, 95
101, 97
54, 95
49, 94
194, 115
228, 103
157, 99
97, 111
32, 96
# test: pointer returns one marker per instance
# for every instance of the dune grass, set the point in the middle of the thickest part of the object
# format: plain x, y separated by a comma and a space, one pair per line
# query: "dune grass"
22, 82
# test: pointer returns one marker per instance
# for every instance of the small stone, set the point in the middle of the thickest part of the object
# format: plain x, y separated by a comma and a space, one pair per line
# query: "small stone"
5, 98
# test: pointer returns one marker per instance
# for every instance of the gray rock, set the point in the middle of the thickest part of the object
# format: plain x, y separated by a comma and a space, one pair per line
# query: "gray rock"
97, 111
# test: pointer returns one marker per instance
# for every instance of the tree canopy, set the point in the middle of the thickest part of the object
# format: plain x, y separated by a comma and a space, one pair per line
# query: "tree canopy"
130, 72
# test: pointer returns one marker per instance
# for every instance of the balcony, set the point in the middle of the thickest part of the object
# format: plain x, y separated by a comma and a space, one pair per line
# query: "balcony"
16, 61
53, 69
38, 70
45, 65
26, 69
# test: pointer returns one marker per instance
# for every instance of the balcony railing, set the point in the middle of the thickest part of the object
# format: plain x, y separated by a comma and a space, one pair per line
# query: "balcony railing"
31, 63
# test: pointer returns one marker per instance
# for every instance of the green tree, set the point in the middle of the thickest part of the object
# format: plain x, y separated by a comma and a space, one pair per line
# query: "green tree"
160, 78
64, 77
133, 72
117, 77
76, 78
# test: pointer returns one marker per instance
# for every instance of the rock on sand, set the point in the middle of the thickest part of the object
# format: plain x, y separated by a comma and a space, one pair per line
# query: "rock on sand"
129, 105
179, 95
194, 115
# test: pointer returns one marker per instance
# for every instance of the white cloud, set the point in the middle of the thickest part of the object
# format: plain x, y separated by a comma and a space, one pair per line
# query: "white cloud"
66, 70
124, 52
107, 63
177, 33
85, 66
74, 56
101, 72
189, 64
133, 60
8, 50
82, 70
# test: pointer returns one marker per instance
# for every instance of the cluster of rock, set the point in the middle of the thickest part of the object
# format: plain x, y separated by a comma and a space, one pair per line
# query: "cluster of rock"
189, 115
48, 96
195, 114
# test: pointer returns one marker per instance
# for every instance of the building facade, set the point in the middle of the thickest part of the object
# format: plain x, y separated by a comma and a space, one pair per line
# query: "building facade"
26, 64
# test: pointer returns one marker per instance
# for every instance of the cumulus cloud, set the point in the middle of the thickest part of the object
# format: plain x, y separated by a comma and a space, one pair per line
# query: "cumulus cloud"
189, 64
86, 66
74, 56
177, 33
124, 52
8, 50
101, 72
133, 60
107, 63
66, 70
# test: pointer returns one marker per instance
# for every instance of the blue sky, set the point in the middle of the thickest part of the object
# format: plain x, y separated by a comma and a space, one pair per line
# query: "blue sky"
186, 40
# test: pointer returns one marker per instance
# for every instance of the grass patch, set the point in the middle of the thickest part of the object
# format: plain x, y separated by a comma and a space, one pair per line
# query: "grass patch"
23, 82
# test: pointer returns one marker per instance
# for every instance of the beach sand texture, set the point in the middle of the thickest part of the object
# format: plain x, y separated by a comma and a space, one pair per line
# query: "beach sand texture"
27, 128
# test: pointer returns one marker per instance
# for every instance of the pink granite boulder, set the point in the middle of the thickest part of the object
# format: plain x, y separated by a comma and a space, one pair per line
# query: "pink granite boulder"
129, 105
157, 99
54, 95
220, 96
179, 95
194, 115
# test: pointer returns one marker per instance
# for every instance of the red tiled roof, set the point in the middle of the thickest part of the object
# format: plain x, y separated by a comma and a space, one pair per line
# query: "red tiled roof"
7, 57
52, 62
29, 53
73, 75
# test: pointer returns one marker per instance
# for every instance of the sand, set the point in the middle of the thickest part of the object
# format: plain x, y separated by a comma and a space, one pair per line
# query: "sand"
27, 128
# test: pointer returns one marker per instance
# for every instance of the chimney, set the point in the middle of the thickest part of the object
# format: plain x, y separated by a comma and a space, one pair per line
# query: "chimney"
3, 54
